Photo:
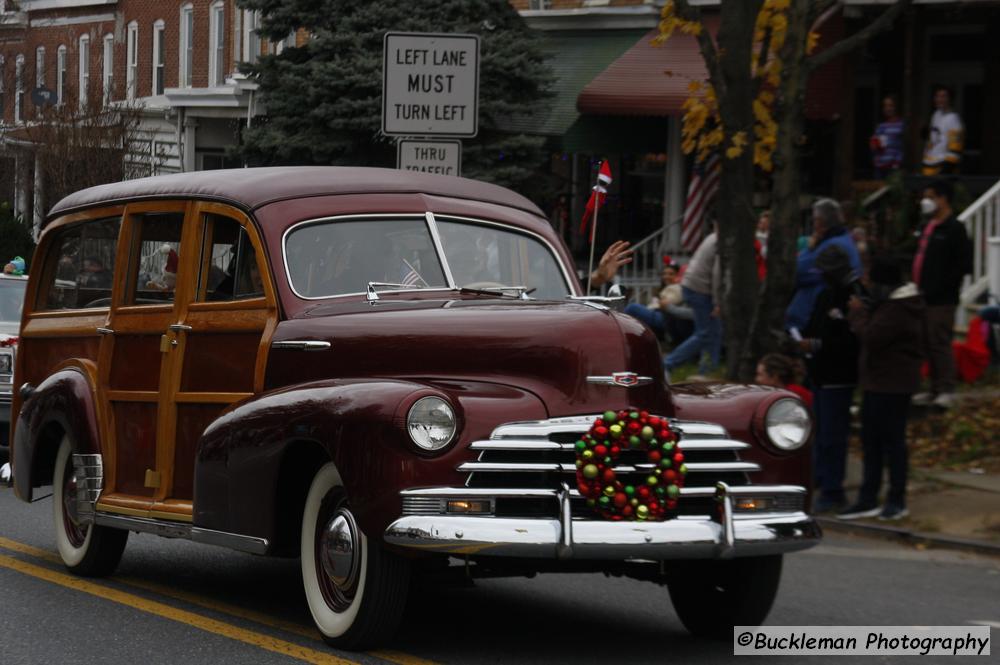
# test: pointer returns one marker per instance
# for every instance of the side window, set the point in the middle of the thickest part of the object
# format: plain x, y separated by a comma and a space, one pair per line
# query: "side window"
80, 266
155, 257
229, 269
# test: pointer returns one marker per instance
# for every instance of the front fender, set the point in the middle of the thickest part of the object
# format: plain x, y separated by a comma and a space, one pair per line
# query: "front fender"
63, 402
739, 408
357, 424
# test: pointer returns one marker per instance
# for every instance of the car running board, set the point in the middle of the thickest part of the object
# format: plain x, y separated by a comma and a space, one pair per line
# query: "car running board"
196, 534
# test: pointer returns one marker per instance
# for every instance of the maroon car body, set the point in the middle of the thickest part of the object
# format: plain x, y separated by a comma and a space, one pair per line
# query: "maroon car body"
336, 377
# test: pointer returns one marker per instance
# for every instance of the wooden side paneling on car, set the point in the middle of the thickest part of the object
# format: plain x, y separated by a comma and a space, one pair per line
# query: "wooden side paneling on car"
134, 428
192, 419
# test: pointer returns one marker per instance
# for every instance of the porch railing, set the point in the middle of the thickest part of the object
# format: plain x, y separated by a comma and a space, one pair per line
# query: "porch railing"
982, 222
642, 276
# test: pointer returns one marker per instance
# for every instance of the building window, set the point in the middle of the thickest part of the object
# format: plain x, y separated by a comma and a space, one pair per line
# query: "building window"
18, 87
187, 46
159, 57
60, 73
40, 67
109, 67
84, 70
131, 60
217, 48
251, 42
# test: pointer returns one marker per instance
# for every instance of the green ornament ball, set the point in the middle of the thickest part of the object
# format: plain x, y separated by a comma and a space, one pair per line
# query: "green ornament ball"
634, 502
634, 441
684, 468
651, 480
591, 503
581, 446
673, 491
642, 512
587, 454
607, 460
668, 445
646, 433
609, 416
666, 463
616, 430
609, 491
629, 490
660, 491
633, 415
579, 463
604, 501
590, 471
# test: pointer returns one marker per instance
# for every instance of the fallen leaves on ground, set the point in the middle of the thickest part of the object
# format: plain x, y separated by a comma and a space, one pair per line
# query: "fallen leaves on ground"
964, 438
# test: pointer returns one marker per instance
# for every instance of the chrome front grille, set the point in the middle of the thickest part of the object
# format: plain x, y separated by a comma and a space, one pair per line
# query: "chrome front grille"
541, 456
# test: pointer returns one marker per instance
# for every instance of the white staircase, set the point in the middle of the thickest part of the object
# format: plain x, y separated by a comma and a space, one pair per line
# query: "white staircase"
642, 276
982, 223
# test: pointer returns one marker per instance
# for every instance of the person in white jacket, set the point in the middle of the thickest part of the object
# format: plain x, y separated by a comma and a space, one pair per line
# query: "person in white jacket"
943, 151
700, 286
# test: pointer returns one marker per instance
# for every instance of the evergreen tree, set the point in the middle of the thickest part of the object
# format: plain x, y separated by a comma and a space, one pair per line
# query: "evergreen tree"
323, 99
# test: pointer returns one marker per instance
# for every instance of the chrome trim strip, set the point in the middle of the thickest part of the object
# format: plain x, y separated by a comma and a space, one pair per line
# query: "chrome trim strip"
716, 444
698, 538
439, 248
301, 345
515, 466
721, 467
88, 471
692, 428
519, 444
514, 493
168, 529
620, 380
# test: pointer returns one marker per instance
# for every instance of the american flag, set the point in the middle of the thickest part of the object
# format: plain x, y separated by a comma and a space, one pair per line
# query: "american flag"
702, 189
410, 276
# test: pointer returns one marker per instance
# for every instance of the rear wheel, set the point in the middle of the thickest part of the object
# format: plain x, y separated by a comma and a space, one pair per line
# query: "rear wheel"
86, 549
356, 590
711, 597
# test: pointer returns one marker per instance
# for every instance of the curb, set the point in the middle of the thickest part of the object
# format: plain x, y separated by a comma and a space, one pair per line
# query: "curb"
910, 537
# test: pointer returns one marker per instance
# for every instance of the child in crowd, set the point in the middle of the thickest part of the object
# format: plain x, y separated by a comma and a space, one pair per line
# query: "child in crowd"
891, 330
780, 371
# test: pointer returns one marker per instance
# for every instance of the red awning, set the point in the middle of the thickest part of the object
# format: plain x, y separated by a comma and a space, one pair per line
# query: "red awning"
650, 80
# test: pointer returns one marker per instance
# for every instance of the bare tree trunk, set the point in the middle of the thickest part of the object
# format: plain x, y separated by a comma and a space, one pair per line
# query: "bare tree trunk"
734, 208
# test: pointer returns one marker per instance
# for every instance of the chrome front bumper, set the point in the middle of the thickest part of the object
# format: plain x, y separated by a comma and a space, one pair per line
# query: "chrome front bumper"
686, 537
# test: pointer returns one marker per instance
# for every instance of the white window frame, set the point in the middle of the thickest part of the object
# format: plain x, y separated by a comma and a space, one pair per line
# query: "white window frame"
251, 40
40, 67
217, 43
83, 70
186, 47
60, 73
159, 58
19, 89
108, 67
131, 60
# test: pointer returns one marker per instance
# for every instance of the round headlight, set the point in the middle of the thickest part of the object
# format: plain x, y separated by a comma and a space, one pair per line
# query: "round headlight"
788, 424
431, 423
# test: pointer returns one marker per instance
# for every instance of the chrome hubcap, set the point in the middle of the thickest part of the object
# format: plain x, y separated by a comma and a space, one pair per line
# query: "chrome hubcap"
339, 548
69, 499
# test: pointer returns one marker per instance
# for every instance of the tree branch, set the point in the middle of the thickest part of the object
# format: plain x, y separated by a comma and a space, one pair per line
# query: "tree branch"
848, 44
705, 43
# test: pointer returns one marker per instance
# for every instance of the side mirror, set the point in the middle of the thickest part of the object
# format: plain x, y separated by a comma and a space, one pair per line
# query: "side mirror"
616, 299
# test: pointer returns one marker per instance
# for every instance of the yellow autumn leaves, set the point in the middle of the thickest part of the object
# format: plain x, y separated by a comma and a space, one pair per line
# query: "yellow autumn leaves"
701, 129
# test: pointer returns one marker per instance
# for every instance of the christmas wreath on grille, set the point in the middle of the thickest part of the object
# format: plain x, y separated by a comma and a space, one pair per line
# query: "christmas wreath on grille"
598, 450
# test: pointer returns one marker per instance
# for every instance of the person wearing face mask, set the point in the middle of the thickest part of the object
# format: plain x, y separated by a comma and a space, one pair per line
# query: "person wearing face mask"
832, 351
943, 258
891, 331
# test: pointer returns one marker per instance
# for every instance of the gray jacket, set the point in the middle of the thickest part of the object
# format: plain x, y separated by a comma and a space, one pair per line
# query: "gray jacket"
704, 272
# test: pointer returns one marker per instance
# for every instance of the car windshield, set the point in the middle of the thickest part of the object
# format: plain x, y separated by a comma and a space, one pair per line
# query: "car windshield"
331, 258
11, 301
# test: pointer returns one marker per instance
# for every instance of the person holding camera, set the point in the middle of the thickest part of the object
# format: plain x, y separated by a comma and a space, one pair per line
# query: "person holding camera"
891, 330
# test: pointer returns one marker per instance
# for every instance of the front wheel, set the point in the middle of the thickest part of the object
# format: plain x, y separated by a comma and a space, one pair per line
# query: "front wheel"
711, 596
356, 590
86, 549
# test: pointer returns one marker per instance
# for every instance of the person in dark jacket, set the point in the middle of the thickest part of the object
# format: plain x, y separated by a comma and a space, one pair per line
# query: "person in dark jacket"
892, 345
832, 351
943, 258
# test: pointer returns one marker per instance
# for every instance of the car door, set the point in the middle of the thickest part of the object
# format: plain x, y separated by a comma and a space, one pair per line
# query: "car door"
139, 359
223, 335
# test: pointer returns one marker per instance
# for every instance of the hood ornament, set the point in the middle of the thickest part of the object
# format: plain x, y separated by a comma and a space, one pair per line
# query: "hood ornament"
620, 379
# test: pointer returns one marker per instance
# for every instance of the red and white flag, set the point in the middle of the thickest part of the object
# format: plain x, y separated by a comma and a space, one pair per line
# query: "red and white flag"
702, 189
597, 196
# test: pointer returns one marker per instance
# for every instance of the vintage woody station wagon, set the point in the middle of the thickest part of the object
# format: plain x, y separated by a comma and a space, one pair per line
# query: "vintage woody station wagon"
382, 373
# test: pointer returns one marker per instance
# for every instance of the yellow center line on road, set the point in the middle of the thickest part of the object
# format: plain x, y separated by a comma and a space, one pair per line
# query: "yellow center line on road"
302, 630
198, 621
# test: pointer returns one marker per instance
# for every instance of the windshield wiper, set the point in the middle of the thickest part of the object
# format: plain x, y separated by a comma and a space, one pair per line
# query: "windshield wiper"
374, 288
520, 292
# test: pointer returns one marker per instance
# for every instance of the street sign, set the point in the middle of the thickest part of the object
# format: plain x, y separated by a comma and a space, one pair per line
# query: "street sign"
43, 97
430, 84
429, 156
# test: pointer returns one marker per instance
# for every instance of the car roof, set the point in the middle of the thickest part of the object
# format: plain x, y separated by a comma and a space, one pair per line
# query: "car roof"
252, 188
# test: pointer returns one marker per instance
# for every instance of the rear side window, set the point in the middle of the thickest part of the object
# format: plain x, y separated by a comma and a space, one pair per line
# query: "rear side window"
80, 266
229, 265
155, 258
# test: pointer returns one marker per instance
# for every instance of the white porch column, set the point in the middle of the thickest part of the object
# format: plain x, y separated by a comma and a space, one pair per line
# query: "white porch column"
21, 183
190, 138
39, 200
673, 187
993, 266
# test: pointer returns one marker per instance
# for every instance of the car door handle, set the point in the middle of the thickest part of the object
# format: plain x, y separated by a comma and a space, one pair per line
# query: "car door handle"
105, 331
179, 327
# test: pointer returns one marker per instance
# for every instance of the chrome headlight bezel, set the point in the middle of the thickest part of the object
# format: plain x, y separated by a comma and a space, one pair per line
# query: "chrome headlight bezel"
787, 424
7, 360
431, 424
